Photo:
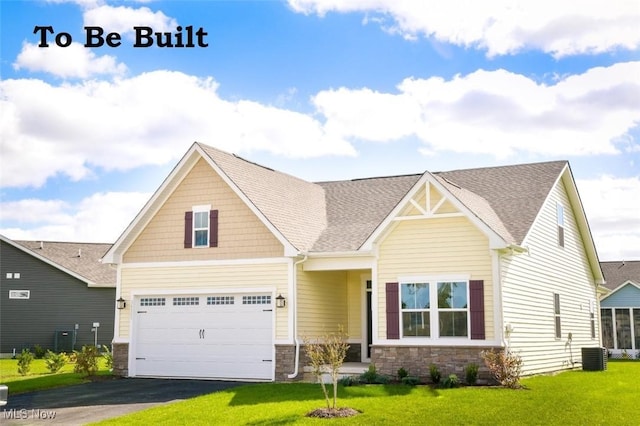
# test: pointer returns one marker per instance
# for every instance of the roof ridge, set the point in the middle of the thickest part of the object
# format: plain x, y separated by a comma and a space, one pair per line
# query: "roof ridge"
505, 166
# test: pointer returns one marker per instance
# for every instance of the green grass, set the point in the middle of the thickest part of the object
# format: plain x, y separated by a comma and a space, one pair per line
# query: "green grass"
39, 377
570, 398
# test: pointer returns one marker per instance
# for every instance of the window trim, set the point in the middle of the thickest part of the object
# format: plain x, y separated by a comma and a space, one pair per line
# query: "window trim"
433, 282
20, 294
557, 317
560, 223
202, 209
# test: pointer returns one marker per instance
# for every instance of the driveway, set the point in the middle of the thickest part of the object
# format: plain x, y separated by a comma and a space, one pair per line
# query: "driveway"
91, 402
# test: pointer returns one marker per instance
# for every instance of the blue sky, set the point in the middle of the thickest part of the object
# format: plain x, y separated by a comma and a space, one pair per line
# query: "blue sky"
320, 89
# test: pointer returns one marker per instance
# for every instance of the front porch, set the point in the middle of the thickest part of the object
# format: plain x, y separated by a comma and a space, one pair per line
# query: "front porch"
348, 369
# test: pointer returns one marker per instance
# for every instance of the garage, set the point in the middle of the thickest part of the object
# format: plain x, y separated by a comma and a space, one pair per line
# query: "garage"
214, 336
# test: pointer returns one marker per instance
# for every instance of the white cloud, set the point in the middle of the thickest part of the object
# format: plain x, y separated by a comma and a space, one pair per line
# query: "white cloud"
71, 222
122, 19
612, 208
149, 119
502, 26
73, 61
496, 112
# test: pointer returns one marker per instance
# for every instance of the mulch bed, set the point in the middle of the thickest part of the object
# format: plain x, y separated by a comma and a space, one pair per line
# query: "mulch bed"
330, 413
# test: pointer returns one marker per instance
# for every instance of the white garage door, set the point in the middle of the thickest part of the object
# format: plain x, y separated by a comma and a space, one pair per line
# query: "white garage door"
204, 336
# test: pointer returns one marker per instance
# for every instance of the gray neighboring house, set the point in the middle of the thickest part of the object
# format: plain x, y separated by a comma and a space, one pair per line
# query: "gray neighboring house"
620, 308
52, 293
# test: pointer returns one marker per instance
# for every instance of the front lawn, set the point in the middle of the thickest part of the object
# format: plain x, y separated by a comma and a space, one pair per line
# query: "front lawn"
39, 377
570, 398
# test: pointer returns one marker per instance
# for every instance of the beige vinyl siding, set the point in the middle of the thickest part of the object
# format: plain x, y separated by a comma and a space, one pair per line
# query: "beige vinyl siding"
322, 302
529, 282
437, 246
208, 279
355, 282
241, 234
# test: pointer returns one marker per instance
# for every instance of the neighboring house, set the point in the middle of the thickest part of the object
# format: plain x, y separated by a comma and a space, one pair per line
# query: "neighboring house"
620, 309
52, 293
418, 269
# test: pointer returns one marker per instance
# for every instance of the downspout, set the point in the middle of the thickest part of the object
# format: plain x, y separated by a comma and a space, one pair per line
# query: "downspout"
294, 297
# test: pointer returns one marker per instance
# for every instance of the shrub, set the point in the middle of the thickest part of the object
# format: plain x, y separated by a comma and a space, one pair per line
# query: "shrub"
471, 374
348, 381
451, 381
505, 367
108, 356
54, 361
410, 381
402, 373
87, 360
24, 362
39, 351
371, 376
434, 374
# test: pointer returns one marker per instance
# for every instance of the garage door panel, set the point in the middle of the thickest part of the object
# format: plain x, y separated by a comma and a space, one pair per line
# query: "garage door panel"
199, 338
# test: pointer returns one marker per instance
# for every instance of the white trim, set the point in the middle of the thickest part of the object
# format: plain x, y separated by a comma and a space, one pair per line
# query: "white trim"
498, 314
189, 291
212, 262
338, 264
621, 286
495, 240
18, 294
364, 341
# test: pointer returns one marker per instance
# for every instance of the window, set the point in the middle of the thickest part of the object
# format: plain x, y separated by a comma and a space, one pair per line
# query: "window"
436, 308
186, 301
256, 300
416, 319
452, 308
592, 318
19, 294
152, 301
607, 327
636, 326
220, 300
623, 328
560, 219
556, 312
201, 226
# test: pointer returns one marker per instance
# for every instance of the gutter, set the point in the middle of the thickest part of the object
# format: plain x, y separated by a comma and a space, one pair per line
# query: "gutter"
295, 316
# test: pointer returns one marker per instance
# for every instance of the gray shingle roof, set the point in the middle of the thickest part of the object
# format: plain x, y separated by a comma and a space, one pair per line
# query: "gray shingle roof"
341, 215
516, 193
65, 254
294, 206
619, 272
356, 207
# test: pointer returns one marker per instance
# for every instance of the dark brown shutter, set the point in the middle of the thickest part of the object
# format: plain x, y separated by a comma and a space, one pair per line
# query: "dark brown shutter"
188, 229
213, 228
393, 313
476, 308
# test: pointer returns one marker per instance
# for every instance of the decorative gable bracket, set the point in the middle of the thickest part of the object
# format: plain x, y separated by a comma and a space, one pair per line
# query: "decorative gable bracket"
427, 207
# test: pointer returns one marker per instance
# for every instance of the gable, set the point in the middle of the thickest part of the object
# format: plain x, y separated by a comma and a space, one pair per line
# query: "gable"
79, 260
433, 197
626, 296
241, 233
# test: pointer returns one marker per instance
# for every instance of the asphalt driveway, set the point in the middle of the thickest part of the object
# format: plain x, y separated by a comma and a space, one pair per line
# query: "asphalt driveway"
91, 402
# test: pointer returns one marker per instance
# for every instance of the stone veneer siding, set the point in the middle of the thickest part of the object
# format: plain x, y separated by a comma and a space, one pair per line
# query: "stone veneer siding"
121, 359
285, 360
417, 359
